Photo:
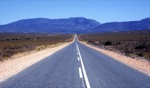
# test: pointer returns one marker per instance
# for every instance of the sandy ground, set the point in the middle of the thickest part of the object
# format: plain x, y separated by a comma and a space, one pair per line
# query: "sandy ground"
11, 67
138, 64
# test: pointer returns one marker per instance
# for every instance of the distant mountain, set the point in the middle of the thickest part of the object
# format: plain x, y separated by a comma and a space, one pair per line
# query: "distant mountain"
44, 25
72, 25
143, 24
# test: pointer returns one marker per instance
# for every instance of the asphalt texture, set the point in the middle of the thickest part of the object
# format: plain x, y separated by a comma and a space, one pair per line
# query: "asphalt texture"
61, 70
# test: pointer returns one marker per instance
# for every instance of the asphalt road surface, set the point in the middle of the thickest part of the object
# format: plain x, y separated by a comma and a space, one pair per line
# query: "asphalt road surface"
78, 66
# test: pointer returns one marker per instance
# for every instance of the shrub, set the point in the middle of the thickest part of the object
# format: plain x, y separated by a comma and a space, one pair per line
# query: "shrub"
140, 47
139, 54
28, 38
38, 38
107, 43
147, 55
92, 42
118, 43
7, 39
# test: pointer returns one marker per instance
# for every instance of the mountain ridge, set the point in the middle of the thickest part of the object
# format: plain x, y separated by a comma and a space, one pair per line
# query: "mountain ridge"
68, 25
72, 25
143, 24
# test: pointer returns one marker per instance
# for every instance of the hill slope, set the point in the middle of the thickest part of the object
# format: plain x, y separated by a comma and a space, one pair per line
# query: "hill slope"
72, 25
143, 24
44, 25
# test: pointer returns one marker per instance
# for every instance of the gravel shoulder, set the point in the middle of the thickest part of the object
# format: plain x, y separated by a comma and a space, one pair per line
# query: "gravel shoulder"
11, 67
138, 64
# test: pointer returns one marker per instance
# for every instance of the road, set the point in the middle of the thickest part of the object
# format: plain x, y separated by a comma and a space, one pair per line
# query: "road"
78, 66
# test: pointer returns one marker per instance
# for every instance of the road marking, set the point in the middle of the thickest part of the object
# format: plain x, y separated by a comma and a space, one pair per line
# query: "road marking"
83, 69
78, 59
80, 73
77, 49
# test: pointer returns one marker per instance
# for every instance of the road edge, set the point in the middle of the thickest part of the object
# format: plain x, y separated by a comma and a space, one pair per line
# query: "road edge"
13, 66
140, 65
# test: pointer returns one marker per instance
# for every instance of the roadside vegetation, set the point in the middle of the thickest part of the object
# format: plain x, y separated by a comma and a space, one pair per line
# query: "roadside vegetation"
135, 44
12, 44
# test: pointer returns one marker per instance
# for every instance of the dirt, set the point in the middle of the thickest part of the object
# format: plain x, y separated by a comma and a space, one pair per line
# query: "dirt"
130, 43
141, 65
11, 67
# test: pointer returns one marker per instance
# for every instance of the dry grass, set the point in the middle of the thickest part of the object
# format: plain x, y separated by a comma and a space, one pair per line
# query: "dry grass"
13, 66
12, 44
133, 44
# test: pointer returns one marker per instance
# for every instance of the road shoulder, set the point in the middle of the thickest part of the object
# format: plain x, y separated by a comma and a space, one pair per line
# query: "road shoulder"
13, 66
140, 65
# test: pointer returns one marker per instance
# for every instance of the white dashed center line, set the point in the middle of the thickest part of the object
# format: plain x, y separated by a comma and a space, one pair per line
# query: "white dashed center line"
80, 73
83, 68
78, 59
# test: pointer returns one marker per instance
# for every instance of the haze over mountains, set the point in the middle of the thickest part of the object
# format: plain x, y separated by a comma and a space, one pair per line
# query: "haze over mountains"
72, 25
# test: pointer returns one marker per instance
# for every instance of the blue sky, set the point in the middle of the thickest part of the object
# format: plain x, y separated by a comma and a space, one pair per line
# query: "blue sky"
100, 10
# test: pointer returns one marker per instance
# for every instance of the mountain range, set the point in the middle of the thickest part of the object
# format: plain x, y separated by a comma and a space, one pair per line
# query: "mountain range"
143, 24
72, 25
